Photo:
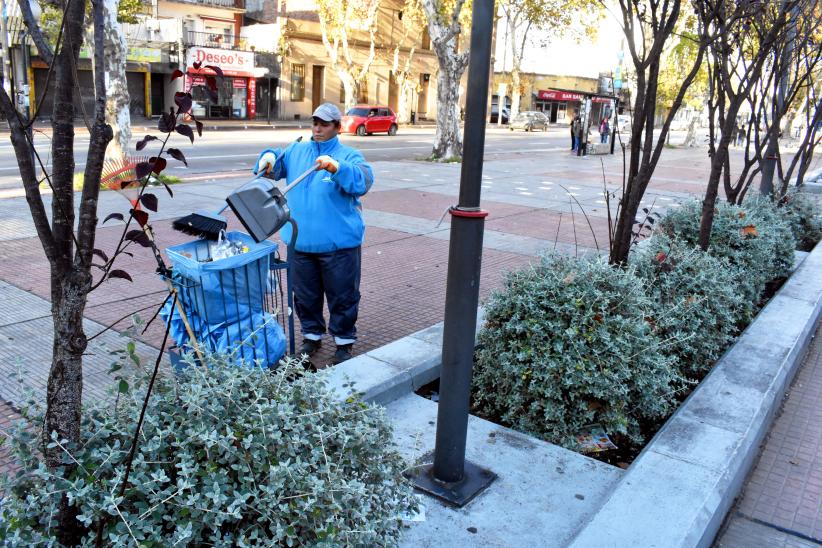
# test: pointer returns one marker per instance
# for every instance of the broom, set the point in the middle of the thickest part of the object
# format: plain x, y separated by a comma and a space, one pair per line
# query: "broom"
208, 225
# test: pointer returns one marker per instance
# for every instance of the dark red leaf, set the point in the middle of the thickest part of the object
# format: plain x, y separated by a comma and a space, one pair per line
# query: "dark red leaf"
197, 64
184, 129
141, 144
177, 154
216, 69
157, 164
150, 201
120, 274
166, 123
129, 253
118, 216
169, 190
138, 237
211, 82
101, 254
140, 216
142, 169
183, 101
199, 127
176, 74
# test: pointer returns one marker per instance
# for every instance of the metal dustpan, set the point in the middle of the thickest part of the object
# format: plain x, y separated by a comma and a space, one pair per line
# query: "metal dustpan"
261, 207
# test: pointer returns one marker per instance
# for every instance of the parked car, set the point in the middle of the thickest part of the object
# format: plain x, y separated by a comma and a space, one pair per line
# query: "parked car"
506, 114
530, 120
368, 119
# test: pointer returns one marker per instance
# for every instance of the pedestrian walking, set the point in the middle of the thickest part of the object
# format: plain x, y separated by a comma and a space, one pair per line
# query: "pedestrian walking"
573, 133
604, 131
576, 132
327, 210
740, 133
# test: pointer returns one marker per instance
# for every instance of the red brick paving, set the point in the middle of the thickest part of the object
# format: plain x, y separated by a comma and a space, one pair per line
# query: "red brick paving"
784, 490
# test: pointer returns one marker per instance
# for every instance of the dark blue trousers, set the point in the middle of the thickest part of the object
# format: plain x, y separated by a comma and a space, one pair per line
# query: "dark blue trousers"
335, 276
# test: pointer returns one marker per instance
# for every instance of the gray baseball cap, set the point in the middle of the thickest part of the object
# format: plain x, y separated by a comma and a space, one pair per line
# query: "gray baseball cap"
328, 112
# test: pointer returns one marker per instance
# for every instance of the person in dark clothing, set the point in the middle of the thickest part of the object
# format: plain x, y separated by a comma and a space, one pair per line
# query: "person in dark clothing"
327, 210
573, 134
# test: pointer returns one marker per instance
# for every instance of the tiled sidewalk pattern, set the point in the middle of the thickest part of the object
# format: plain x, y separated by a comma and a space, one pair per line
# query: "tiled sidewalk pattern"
781, 504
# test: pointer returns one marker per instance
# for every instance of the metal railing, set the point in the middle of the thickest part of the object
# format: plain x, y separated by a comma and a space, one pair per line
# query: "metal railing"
216, 40
236, 4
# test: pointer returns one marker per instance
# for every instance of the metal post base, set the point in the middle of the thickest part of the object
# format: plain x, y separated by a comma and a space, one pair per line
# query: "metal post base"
459, 493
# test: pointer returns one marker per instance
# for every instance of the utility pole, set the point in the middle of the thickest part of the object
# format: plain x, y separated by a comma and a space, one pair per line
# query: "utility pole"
451, 478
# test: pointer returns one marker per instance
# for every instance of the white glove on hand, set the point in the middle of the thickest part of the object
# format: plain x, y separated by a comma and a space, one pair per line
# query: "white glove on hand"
328, 163
265, 163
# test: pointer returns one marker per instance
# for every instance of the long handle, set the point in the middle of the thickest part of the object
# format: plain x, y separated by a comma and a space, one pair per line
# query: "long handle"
173, 290
299, 179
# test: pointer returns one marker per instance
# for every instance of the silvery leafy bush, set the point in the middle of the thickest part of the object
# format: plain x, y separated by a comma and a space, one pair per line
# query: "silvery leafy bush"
805, 218
566, 344
229, 456
755, 237
696, 307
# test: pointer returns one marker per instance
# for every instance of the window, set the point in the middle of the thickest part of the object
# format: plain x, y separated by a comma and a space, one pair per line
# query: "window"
297, 82
383, 112
426, 39
342, 93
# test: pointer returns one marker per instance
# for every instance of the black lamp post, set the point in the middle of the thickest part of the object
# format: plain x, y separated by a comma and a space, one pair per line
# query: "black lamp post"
451, 478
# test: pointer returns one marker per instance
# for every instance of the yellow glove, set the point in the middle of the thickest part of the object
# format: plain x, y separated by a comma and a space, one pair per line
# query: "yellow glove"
327, 163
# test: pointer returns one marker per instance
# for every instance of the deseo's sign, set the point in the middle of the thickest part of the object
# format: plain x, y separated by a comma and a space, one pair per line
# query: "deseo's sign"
238, 63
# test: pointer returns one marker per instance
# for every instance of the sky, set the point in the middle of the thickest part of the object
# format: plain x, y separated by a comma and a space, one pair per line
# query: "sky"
565, 57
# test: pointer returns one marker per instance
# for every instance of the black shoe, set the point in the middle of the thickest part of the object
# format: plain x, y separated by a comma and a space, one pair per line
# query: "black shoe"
310, 347
343, 353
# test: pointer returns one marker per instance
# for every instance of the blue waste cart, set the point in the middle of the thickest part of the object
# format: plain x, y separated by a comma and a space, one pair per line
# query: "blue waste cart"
239, 305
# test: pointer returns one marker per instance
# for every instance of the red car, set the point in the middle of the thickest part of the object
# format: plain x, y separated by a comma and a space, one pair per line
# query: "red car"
368, 119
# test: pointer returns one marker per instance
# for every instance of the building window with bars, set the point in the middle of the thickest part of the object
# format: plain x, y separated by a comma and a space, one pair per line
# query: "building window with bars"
297, 82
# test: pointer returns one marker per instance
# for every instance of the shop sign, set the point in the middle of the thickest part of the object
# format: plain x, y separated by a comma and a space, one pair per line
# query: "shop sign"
232, 63
601, 99
239, 83
551, 95
252, 98
138, 55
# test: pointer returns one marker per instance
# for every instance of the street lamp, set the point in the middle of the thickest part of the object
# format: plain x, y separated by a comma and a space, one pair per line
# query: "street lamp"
451, 478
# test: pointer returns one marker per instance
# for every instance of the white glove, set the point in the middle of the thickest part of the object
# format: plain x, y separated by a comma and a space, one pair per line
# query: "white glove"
266, 162
327, 163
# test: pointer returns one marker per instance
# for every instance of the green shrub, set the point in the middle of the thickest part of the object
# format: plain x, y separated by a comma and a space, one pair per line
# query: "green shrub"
805, 218
755, 238
697, 308
228, 456
566, 344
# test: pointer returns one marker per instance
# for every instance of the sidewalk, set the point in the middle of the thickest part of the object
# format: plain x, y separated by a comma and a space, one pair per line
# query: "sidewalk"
404, 255
781, 504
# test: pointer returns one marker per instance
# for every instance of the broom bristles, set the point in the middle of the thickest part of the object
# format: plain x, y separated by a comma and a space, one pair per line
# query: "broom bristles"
202, 224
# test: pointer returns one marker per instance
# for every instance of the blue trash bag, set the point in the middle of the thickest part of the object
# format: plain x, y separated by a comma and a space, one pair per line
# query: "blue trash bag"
256, 339
227, 290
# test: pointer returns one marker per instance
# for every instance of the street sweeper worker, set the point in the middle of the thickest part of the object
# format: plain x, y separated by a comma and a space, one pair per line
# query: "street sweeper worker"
330, 229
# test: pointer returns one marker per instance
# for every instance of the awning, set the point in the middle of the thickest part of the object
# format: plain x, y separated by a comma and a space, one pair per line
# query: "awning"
552, 95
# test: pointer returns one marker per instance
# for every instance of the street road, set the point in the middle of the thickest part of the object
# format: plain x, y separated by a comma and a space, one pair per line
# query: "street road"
222, 152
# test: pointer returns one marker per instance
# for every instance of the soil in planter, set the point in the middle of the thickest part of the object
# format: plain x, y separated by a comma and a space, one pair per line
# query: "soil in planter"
622, 457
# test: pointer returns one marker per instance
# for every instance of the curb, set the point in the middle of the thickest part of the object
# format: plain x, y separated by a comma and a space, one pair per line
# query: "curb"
681, 487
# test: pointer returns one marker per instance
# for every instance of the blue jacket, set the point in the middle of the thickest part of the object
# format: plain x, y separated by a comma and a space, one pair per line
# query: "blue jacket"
326, 207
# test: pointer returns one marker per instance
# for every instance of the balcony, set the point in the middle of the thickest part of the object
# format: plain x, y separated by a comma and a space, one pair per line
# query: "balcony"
216, 40
230, 4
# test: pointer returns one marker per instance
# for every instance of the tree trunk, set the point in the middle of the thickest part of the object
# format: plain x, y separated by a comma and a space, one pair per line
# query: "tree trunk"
350, 87
448, 140
516, 82
117, 97
405, 104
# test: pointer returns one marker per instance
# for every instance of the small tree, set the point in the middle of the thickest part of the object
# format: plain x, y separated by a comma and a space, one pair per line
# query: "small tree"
68, 241
445, 22
337, 19
743, 38
648, 27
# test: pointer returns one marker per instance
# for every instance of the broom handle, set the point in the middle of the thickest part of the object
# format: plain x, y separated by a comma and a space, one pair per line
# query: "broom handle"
173, 290
299, 179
